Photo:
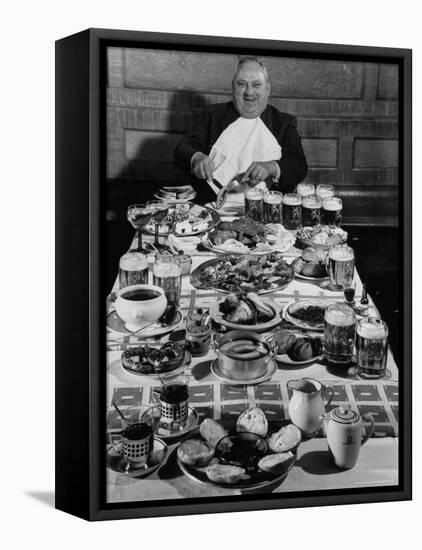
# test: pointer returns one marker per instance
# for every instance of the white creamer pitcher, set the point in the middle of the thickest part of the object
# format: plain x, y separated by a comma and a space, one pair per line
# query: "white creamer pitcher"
307, 406
343, 427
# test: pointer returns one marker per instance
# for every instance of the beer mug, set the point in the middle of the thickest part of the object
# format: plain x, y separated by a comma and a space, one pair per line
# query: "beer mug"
332, 209
305, 189
254, 204
311, 210
339, 334
273, 207
325, 190
167, 274
371, 348
133, 269
292, 211
340, 266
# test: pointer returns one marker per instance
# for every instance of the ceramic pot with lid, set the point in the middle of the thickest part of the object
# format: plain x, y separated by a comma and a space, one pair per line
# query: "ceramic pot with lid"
343, 427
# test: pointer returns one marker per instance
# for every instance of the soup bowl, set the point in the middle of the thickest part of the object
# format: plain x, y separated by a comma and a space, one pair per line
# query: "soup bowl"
139, 305
243, 355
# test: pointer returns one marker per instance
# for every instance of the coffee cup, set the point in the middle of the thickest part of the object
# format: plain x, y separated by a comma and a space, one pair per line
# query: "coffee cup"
139, 305
136, 444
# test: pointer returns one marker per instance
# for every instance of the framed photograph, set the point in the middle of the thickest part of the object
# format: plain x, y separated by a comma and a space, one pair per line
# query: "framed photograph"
233, 274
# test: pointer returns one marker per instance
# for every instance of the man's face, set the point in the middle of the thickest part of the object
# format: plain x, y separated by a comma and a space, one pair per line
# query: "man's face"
250, 90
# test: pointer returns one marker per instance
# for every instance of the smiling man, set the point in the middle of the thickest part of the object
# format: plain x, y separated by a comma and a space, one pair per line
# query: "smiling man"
245, 139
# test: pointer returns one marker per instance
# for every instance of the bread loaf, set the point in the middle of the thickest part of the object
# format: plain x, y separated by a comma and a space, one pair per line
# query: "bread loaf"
221, 473
211, 431
252, 420
286, 439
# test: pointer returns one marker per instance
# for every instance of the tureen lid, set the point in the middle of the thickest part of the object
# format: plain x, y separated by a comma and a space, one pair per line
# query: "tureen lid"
345, 415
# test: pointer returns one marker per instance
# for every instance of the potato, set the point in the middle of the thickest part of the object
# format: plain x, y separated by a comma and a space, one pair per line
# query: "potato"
313, 269
310, 255
284, 340
301, 350
298, 265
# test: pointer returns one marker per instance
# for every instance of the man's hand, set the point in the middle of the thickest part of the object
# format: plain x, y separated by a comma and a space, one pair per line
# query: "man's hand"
259, 171
202, 166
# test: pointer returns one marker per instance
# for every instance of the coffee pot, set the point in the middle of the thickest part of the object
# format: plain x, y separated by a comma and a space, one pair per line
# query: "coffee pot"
343, 427
307, 404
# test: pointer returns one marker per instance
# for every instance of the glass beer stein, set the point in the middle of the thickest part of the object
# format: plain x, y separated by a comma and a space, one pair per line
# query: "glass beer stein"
371, 348
340, 266
339, 334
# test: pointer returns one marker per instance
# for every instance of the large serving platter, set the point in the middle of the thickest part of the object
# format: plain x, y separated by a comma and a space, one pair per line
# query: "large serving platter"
259, 481
164, 231
311, 242
279, 241
233, 273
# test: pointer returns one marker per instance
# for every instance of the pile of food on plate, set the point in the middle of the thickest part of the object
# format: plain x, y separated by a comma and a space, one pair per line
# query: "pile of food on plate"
244, 235
246, 309
186, 218
178, 193
297, 348
322, 235
307, 314
311, 263
243, 273
150, 360
250, 454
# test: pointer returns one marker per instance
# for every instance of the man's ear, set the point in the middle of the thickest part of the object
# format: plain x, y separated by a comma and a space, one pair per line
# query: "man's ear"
269, 88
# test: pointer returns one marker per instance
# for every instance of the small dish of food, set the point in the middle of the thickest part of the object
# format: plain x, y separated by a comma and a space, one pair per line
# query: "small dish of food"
310, 265
248, 311
296, 349
152, 362
322, 236
307, 314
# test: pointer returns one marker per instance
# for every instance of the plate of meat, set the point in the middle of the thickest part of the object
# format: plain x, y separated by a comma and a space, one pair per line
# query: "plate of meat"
238, 274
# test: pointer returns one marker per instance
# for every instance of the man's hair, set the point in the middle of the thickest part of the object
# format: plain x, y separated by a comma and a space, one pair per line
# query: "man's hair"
251, 59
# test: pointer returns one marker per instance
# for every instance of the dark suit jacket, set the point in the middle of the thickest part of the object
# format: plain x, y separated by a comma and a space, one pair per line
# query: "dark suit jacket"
216, 118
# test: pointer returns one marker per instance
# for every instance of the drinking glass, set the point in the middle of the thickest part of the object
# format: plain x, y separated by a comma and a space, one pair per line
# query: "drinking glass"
138, 215
311, 210
349, 289
332, 209
339, 333
167, 274
292, 211
133, 269
371, 348
159, 211
254, 204
340, 266
273, 207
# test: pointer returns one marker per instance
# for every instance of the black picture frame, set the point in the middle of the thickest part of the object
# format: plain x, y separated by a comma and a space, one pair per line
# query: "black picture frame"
80, 372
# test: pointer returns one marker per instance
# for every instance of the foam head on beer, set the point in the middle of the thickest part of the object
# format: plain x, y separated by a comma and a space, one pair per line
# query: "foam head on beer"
292, 199
340, 315
368, 328
273, 197
305, 189
133, 261
312, 201
325, 190
332, 204
341, 253
254, 193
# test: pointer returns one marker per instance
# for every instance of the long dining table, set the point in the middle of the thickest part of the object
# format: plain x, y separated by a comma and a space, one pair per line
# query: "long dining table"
212, 397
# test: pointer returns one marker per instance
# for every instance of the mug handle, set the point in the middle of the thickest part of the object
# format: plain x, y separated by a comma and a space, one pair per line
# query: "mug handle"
369, 430
330, 391
115, 447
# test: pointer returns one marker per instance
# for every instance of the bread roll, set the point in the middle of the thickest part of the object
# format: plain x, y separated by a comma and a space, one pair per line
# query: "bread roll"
211, 431
276, 463
194, 452
286, 439
221, 473
252, 420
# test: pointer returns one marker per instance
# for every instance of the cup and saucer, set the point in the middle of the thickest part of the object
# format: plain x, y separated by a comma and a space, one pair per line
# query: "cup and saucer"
168, 429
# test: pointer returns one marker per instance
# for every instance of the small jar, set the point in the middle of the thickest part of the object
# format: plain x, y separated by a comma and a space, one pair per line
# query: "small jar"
198, 333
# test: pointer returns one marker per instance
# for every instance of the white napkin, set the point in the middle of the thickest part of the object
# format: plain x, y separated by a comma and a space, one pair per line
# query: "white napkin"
244, 141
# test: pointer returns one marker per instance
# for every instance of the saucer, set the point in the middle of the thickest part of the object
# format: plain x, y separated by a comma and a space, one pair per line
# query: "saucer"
116, 324
271, 369
164, 431
118, 464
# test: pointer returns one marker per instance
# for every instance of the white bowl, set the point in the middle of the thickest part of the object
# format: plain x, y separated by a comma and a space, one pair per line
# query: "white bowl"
137, 313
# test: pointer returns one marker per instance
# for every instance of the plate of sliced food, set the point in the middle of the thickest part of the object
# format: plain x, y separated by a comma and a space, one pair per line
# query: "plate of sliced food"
246, 311
237, 274
252, 454
153, 361
185, 220
306, 314
246, 236
176, 194
322, 236
311, 265
295, 348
